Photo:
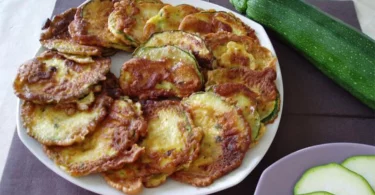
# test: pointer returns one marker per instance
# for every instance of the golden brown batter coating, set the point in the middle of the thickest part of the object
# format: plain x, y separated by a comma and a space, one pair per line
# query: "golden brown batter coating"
172, 143
55, 36
64, 124
160, 72
168, 18
260, 82
206, 22
90, 26
129, 17
232, 51
110, 146
186, 41
225, 142
51, 78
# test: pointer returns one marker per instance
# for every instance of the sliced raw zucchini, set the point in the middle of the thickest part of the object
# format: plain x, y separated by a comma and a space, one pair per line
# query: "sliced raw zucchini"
363, 165
166, 71
185, 41
268, 111
332, 178
318, 193
168, 18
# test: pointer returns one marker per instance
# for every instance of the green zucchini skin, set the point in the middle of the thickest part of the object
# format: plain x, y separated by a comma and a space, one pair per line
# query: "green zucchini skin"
239, 5
344, 54
274, 113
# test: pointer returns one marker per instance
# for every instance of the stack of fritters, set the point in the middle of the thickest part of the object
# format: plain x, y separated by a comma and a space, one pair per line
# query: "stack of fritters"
194, 98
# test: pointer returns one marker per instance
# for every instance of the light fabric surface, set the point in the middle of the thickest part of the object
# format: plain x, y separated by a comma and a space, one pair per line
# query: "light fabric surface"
20, 23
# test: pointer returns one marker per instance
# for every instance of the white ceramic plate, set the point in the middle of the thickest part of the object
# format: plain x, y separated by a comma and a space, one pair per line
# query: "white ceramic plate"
96, 183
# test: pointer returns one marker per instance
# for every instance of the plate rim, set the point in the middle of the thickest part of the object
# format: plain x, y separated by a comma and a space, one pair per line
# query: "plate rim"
205, 190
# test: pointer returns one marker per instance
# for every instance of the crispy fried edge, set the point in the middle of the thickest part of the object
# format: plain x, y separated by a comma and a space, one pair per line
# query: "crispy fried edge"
129, 19
58, 25
216, 39
249, 31
265, 79
233, 157
125, 144
228, 89
203, 60
149, 29
156, 93
78, 32
102, 64
56, 30
150, 110
135, 188
101, 102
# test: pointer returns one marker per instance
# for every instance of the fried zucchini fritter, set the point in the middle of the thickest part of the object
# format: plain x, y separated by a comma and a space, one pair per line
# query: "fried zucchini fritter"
206, 22
260, 82
186, 41
226, 139
160, 72
51, 78
172, 143
111, 86
132, 177
55, 36
64, 124
129, 17
78, 59
244, 99
110, 146
168, 18
232, 51
90, 26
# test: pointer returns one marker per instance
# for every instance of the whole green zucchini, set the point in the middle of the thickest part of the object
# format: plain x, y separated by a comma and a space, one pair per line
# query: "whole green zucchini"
342, 53
240, 5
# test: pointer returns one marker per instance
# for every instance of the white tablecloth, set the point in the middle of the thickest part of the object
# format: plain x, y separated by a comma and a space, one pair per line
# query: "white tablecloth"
20, 23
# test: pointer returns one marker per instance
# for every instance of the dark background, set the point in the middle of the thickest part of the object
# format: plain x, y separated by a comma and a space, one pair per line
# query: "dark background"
316, 111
